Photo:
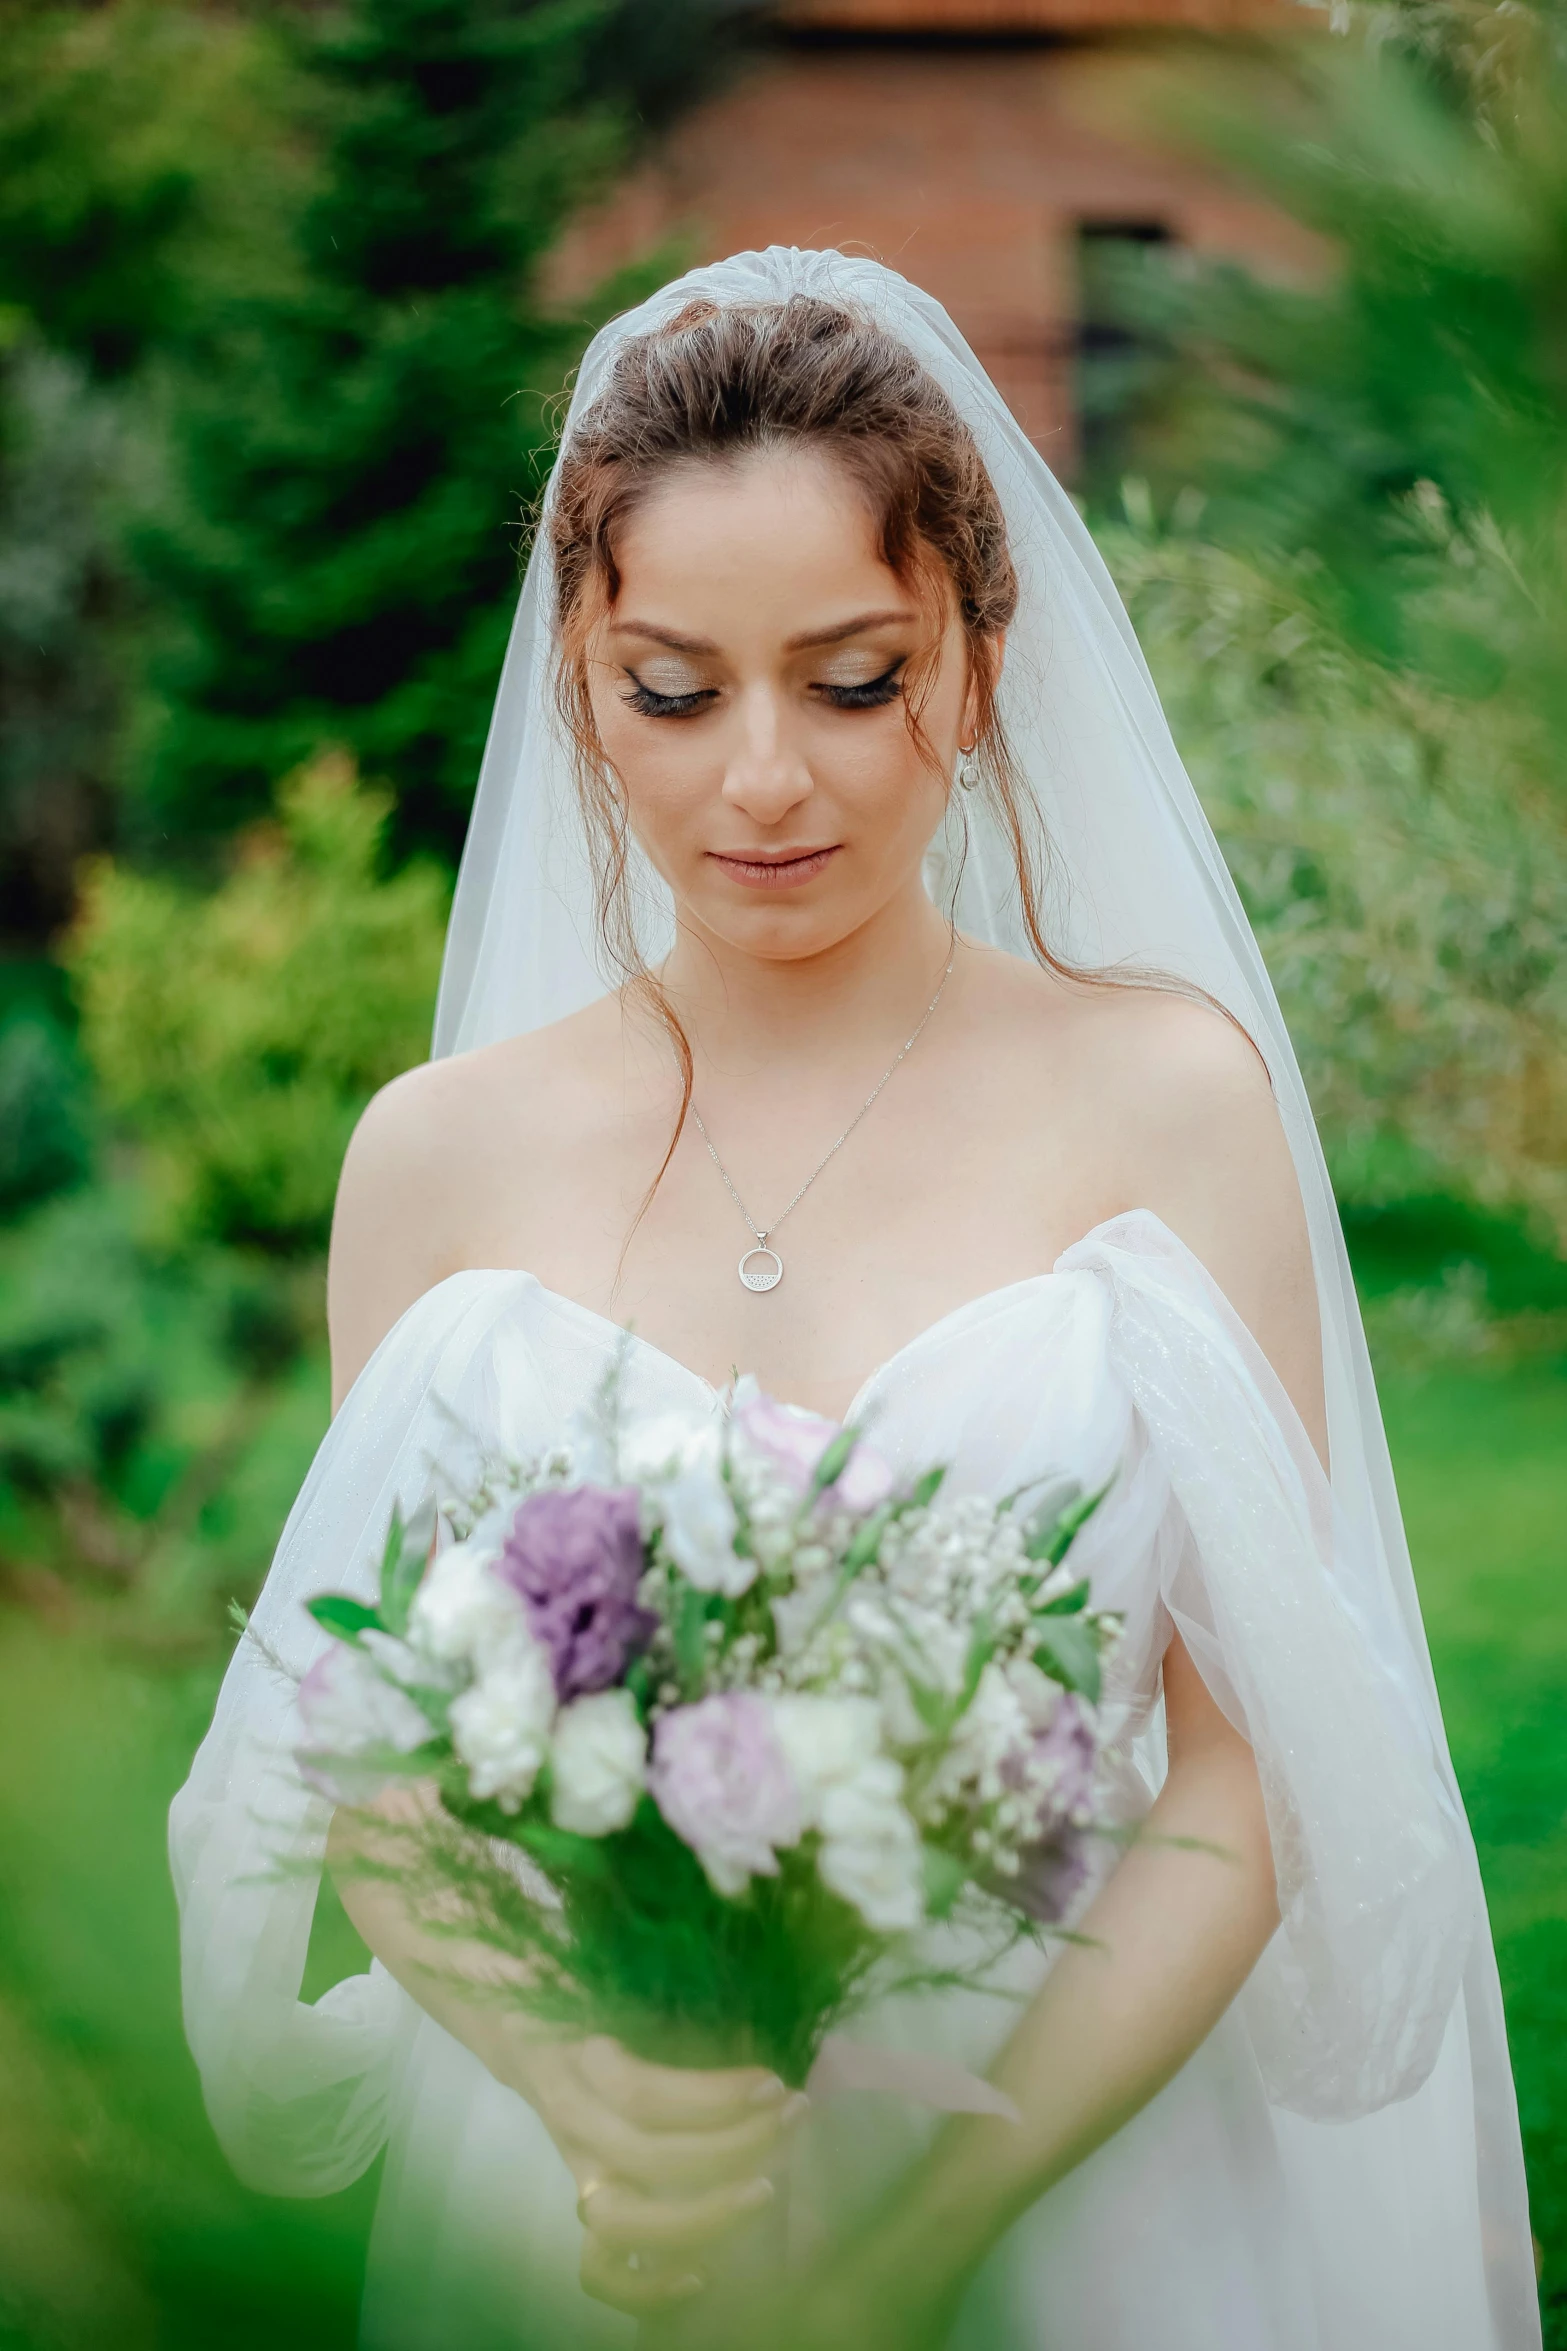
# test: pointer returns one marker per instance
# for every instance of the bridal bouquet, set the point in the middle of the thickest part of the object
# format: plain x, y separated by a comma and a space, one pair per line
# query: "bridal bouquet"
733, 1713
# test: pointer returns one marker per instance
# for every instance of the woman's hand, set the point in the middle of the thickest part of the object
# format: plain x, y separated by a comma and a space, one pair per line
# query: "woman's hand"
667, 2159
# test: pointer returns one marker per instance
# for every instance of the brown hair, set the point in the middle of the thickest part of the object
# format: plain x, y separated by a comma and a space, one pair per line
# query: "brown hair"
719, 383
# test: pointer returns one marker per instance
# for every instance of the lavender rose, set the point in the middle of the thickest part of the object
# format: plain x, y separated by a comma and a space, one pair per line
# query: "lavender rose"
721, 1779
574, 1559
792, 1442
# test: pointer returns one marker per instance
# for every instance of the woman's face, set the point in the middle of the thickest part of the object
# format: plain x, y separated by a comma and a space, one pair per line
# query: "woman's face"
749, 689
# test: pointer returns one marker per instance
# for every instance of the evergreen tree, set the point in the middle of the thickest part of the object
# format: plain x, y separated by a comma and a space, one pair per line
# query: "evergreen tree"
1402, 420
117, 126
356, 450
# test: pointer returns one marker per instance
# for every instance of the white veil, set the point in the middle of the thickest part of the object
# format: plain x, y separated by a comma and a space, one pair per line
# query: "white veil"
1136, 878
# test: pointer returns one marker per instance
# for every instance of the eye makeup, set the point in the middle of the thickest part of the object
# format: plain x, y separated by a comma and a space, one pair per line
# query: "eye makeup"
652, 704
866, 693
854, 694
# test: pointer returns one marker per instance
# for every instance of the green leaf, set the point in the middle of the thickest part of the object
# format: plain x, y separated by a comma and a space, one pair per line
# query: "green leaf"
344, 1618
933, 1709
403, 1563
865, 1545
834, 1461
981, 1648
1054, 1536
927, 1488
560, 1852
639, 1681
1068, 1650
1070, 1603
691, 1634
945, 1878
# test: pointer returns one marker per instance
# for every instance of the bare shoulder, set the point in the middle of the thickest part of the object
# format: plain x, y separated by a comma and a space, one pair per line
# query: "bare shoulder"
1206, 1149
411, 1193
1180, 1117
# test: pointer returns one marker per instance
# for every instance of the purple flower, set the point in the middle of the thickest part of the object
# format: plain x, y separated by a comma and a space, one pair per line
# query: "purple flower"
1057, 1774
723, 1783
1049, 1879
1059, 1768
574, 1559
793, 1442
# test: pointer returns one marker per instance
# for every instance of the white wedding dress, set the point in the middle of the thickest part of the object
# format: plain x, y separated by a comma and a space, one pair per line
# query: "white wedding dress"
1338, 2168
1218, 2220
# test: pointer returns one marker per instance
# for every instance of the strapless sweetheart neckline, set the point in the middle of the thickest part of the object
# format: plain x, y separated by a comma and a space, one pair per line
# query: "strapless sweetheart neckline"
984, 1301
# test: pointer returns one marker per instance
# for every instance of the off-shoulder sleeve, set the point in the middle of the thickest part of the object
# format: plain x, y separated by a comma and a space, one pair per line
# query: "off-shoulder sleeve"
1293, 1626
298, 2093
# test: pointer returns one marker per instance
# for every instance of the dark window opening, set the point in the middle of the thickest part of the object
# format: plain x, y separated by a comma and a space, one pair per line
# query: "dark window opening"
1120, 351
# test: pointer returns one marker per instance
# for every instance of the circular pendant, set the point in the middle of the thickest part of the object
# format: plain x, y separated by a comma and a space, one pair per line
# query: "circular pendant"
761, 1269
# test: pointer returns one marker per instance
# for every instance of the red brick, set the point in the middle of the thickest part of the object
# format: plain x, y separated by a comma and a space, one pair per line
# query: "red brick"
970, 169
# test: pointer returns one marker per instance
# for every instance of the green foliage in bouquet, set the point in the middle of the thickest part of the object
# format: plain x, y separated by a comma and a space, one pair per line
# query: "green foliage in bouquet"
239, 1034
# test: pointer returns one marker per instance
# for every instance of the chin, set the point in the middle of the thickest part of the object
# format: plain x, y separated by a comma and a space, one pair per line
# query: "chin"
778, 933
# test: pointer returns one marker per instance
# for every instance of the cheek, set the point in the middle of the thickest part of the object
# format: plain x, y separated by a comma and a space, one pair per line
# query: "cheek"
882, 777
662, 770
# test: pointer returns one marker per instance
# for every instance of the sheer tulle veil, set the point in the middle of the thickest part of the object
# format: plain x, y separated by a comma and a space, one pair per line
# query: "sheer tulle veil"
1134, 878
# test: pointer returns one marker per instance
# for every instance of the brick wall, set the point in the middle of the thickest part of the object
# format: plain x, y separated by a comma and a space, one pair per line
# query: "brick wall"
970, 168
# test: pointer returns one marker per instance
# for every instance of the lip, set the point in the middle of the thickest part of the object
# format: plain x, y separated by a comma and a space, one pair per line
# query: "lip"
779, 869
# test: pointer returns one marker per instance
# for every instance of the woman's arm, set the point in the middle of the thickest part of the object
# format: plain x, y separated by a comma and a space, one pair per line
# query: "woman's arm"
1179, 1926
1175, 1933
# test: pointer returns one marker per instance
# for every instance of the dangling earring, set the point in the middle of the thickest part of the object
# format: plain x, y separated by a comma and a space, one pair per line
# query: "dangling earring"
969, 777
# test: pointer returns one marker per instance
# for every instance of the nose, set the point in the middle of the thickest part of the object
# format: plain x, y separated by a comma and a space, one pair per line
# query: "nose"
766, 777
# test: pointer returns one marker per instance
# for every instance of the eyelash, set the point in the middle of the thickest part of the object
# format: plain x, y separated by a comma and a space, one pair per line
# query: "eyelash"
875, 694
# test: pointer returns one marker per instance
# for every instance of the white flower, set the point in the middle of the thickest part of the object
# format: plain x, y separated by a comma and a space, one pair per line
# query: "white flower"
348, 1708
699, 1519
598, 1760
994, 1728
462, 1613
795, 1616
828, 1742
1037, 1695
501, 1727
656, 1448
870, 1851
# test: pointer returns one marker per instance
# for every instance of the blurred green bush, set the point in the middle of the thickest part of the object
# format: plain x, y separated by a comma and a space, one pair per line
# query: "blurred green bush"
1403, 863
239, 1032
162, 1376
45, 1119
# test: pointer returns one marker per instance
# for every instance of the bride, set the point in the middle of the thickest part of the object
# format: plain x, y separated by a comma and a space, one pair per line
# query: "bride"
942, 1086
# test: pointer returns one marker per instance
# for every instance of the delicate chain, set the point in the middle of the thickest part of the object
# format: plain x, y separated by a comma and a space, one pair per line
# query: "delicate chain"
759, 1235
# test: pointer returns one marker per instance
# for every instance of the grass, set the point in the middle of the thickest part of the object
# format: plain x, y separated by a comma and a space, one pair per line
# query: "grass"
1482, 1467
119, 2221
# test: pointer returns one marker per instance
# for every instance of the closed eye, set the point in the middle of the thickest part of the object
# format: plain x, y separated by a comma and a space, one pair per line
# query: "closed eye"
874, 694
654, 705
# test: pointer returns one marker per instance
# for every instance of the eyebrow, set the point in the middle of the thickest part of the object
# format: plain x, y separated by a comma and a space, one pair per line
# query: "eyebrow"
809, 640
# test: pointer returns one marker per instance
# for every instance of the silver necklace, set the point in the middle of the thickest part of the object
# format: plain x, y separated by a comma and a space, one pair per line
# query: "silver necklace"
761, 1268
